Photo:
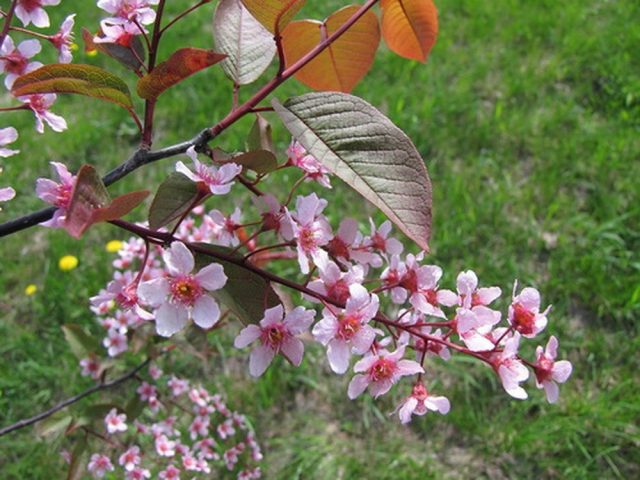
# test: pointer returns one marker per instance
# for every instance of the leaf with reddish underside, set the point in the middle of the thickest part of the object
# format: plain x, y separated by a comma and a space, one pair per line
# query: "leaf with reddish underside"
345, 62
248, 45
90, 203
175, 196
273, 14
131, 56
79, 79
246, 293
260, 135
367, 151
410, 27
181, 64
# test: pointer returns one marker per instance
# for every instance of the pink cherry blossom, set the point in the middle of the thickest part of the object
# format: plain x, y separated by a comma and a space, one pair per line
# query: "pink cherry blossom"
40, 105
170, 473
63, 39
99, 465
380, 371
129, 10
273, 215
130, 458
138, 473
155, 372
115, 342
334, 283
178, 386
421, 284
380, 241
224, 228
146, 391
15, 61
549, 372
121, 34
115, 422
276, 334
311, 167
8, 135
510, 368
469, 295
311, 231
165, 447
420, 401
181, 295
90, 367
524, 312
217, 180
57, 194
199, 427
348, 330
31, 11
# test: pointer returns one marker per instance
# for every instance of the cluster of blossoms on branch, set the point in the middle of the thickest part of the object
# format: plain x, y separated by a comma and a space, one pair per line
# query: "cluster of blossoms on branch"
177, 429
387, 309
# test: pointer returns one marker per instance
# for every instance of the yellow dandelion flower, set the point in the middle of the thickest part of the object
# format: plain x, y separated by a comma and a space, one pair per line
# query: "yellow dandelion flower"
113, 246
68, 262
30, 289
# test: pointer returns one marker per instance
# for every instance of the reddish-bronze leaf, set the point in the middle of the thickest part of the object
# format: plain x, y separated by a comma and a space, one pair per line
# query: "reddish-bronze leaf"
410, 27
273, 14
182, 64
90, 203
345, 62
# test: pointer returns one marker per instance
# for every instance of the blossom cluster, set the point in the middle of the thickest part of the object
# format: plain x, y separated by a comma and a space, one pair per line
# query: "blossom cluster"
376, 304
183, 429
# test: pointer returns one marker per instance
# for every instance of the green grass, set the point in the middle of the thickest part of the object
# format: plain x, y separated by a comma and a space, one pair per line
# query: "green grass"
528, 116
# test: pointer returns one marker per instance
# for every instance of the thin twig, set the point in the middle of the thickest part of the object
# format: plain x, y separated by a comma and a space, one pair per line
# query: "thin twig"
69, 401
7, 21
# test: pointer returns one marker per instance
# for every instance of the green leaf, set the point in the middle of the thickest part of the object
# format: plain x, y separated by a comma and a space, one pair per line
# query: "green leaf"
174, 198
134, 407
260, 161
260, 135
246, 293
55, 426
80, 342
86, 80
181, 64
367, 151
249, 46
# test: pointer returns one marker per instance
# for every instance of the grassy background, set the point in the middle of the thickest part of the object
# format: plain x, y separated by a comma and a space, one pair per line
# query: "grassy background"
528, 116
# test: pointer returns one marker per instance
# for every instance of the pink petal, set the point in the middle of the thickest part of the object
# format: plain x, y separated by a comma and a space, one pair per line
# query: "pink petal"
338, 355
552, 347
170, 319
380, 388
272, 315
6, 194
40, 18
439, 404
212, 277
552, 391
325, 329
206, 312
247, 335
357, 385
299, 320
154, 292
476, 342
183, 169
364, 364
178, 258
29, 48
409, 367
446, 298
488, 295
466, 283
363, 339
293, 350
561, 371
259, 360
407, 409
529, 298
